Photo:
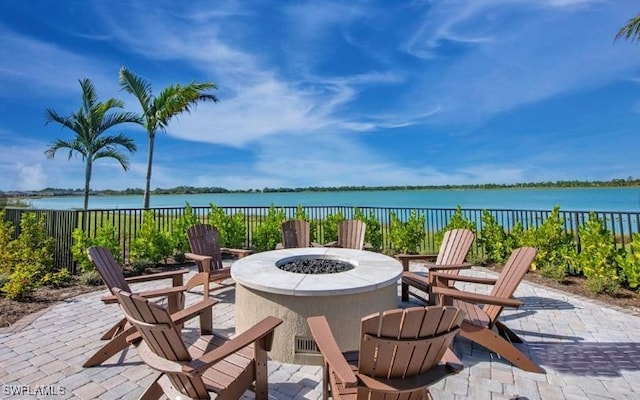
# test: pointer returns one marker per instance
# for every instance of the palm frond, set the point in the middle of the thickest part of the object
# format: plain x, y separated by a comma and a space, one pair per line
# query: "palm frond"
113, 153
631, 30
114, 119
53, 116
89, 96
72, 145
177, 99
114, 141
135, 85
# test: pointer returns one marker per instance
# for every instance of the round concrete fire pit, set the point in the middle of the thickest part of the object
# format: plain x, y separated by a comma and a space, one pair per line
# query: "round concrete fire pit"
367, 285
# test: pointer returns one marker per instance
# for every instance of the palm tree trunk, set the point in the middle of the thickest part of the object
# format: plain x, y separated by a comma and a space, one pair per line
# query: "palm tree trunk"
147, 188
87, 180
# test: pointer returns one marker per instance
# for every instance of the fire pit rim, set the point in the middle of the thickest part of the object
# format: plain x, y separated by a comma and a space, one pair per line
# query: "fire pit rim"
373, 270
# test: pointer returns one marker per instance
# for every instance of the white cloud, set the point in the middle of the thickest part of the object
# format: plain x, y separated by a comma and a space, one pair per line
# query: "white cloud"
31, 67
533, 53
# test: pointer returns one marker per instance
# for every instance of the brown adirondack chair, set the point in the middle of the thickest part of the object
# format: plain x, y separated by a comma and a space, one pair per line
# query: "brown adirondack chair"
112, 276
204, 240
450, 259
296, 233
481, 324
350, 235
212, 364
402, 353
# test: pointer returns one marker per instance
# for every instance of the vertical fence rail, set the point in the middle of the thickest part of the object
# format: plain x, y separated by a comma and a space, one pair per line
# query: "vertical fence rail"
61, 223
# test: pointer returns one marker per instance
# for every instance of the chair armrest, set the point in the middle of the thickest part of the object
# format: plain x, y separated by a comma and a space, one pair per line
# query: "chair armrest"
321, 332
200, 278
407, 384
190, 312
414, 257
149, 293
477, 298
449, 267
255, 333
461, 278
238, 252
406, 258
159, 275
197, 257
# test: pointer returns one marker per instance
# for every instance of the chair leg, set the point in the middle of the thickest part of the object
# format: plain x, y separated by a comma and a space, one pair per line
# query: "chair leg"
175, 302
113, 347
261, 383
492, 341
153, 392
452, 361
114, 330
404, 291
507, 333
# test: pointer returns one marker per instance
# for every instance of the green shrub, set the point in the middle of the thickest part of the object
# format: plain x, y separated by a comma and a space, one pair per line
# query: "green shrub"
32, 257
330, 227
233, 231
81, 242
90, 278
516, 235
373, 233
151, 245
556, 249
58, 279
267, 234
178, 235
597, 256
406, 237
494, 240
629, 262
7, 257
4, 279
106, 236
21, 281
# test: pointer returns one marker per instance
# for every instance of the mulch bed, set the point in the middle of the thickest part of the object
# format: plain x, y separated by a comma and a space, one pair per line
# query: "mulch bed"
12, 310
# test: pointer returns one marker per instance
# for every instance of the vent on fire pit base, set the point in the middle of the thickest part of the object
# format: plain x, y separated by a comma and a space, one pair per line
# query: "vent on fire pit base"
314, 265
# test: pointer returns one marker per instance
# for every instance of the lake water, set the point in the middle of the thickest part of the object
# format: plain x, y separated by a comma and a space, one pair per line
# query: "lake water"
569, 199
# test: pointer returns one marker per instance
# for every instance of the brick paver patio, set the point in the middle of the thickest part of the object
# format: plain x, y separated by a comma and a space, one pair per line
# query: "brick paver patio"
589, 351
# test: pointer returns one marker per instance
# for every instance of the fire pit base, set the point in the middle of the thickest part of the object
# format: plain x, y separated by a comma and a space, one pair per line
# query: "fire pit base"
344, 298
292, 341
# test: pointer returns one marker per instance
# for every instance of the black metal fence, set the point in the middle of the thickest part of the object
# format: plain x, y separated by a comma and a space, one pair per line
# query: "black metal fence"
61, 223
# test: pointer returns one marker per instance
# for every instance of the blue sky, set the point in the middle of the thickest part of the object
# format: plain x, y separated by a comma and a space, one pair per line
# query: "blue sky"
332, 93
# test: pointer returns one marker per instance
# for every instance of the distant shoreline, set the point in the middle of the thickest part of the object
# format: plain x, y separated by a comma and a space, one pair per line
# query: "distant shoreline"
49, 192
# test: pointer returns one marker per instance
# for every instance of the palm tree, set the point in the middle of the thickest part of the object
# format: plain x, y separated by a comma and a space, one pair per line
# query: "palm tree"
158, 111
631, 30
89, 124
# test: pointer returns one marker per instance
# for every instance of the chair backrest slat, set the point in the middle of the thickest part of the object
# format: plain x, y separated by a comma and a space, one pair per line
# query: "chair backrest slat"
204, 239
455, 246
295, 233
108, 268
402, 343
351, 234
165, 341
512, 274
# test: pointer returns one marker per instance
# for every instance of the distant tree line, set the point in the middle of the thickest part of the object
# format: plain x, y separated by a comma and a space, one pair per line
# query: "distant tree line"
629, 182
